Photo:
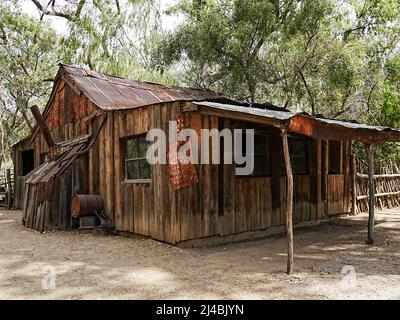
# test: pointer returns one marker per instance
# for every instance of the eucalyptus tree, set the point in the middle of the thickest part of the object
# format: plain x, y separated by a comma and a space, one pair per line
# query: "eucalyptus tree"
318, 56
112, 36
27, 66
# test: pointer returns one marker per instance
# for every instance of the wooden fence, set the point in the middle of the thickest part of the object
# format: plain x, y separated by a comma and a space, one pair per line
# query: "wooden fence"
6, 189
387, 186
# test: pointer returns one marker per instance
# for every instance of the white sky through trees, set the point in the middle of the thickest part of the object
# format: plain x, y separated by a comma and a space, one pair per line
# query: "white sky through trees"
60, 24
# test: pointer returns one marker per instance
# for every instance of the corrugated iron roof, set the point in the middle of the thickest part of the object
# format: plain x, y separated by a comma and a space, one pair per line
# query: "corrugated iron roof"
316, 127
52, 168
355, 125
115, 93
272, 114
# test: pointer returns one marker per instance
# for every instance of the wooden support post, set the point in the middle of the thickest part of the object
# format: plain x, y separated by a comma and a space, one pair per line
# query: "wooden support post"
370, 151
353, 186
289, 201
9, 188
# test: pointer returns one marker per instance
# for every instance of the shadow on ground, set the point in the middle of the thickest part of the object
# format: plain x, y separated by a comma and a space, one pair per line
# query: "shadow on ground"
94, 267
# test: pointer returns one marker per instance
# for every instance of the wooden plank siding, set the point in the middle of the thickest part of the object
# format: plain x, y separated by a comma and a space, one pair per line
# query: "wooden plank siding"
220, 204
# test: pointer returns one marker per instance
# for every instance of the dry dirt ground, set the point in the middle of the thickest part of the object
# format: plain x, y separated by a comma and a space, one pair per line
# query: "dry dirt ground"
98, 267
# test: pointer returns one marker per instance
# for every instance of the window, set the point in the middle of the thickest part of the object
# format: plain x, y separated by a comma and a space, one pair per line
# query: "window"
298, 156
335, 157
136, 165
297, 151
261, 154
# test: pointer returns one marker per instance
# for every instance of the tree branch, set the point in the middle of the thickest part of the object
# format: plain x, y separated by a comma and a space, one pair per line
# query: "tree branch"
53, 11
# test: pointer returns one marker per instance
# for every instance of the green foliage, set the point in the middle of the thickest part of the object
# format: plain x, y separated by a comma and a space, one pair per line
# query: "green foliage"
335, 58
320, 56
27, 66
113, 37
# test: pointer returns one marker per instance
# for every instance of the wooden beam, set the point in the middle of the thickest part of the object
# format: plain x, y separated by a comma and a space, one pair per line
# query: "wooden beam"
379, 176
42, 125
378, 195
209, 111
289, 201
371, 182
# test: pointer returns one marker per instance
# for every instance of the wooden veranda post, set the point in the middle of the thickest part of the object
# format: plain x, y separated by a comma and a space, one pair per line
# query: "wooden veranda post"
353, 185
371, 180
9, 188
289, 201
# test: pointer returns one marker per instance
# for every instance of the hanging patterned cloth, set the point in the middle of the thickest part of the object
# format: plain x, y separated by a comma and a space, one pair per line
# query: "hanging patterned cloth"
181, 174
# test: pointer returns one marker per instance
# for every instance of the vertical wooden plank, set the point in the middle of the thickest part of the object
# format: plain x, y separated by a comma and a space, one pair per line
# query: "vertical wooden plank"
275, 150
145, 196
109, 165
319, 179
173, 195
265, 201
228, 192
62, 203
283, 195
215, 170
117, 167
325, 168
313, 167
157, 227
239, 197
165, 190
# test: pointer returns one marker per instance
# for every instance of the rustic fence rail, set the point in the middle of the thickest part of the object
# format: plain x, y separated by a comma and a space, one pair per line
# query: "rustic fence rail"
6, 189
387, 186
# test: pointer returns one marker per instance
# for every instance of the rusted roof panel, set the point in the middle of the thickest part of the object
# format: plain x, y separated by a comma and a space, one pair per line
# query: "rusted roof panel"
52, 168
114, 93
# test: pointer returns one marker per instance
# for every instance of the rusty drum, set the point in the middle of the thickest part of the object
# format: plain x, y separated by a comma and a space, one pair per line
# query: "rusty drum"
85, 204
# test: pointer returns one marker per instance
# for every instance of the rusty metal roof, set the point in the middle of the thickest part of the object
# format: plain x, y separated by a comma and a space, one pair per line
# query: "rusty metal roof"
52, 168
315, 127
115, 93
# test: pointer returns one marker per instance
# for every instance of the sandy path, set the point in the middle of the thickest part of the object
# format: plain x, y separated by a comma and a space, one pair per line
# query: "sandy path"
95, 267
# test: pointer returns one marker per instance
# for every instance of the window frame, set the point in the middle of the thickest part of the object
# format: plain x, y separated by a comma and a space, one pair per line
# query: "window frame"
268, 136
125, 160
337, 146
304, 139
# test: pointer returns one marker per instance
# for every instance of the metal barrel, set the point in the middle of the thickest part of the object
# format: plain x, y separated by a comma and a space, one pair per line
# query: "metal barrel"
84, 205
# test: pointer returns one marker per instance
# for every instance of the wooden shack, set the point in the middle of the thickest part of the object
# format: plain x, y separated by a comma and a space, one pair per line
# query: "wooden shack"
99, 123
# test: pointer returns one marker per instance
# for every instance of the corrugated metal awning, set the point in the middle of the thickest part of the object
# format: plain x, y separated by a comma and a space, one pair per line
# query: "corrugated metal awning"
302, 123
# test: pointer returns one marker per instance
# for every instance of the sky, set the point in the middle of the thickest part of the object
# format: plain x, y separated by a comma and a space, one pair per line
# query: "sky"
60, 24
